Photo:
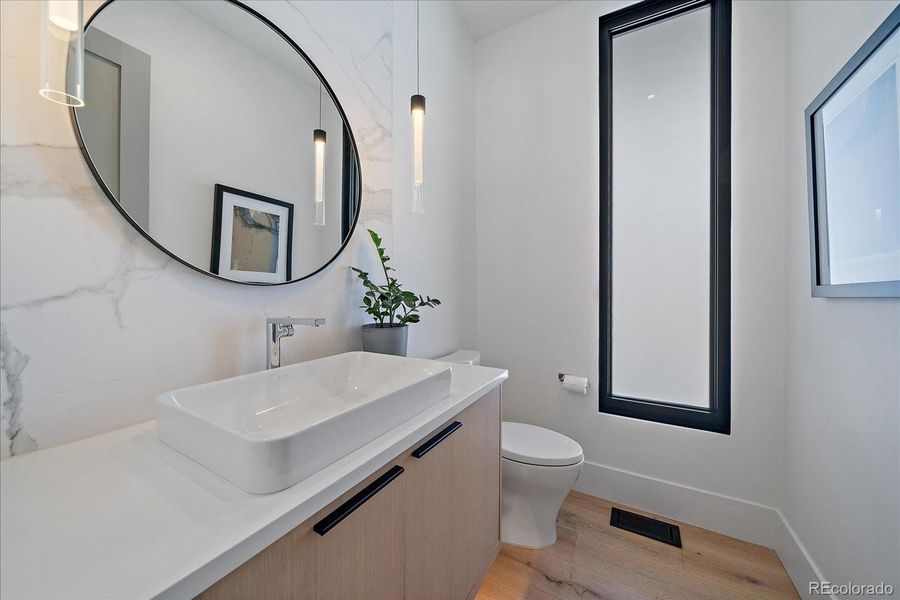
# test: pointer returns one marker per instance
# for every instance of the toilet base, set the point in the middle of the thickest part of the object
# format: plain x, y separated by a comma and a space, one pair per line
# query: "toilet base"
531, 498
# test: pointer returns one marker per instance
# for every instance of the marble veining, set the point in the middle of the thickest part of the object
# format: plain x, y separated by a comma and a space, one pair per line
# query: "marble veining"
24, 171
12, 363
96, 321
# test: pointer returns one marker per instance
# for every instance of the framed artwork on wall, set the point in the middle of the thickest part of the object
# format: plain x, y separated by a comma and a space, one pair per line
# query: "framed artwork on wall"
853, 173
251, 236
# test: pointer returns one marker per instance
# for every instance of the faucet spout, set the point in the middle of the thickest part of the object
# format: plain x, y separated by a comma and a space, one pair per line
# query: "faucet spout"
309, 322
282, 327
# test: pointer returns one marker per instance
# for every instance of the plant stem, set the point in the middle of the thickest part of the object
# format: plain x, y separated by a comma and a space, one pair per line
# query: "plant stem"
387, 280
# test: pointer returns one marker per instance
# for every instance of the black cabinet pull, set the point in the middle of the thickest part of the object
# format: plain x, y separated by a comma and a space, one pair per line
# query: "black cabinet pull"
440, 437
344, 510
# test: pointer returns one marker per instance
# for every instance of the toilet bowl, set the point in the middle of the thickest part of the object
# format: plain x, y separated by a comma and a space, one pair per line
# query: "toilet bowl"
539, 468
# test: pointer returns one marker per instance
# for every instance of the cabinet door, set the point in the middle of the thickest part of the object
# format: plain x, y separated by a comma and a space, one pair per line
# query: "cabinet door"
359, 557
453, 505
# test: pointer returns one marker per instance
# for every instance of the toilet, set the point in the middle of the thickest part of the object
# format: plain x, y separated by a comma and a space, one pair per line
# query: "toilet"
539, 468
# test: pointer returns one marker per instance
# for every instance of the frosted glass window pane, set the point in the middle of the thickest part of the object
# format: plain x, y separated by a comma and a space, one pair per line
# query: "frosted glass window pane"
661, 211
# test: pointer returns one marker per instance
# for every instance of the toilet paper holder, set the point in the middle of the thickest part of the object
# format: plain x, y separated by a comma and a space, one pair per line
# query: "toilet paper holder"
585, 382
562, 376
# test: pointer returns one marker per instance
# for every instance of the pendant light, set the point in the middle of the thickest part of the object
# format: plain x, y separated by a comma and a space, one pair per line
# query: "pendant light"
417, 108
62, 52
319, 143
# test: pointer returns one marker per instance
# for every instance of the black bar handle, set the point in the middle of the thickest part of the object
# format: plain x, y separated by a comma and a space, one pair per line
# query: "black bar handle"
437, 439
344, 510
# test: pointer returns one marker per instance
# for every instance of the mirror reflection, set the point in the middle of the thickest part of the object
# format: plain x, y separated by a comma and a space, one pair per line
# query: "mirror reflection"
217, 138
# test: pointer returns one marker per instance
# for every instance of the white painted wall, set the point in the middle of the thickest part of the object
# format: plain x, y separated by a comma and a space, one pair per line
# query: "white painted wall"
537, 203
842, 415
435, 251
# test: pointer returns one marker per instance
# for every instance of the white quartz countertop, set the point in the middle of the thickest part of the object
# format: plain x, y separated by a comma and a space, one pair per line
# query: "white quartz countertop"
120, 515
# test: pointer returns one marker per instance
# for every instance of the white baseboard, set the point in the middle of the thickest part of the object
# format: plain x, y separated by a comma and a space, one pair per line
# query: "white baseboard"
734, 517
730, 516
795, 558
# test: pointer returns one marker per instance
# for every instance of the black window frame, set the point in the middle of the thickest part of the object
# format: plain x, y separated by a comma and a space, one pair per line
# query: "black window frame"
716, 418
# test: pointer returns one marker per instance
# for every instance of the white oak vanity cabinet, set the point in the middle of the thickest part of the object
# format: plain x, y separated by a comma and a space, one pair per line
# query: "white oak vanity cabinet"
423, 527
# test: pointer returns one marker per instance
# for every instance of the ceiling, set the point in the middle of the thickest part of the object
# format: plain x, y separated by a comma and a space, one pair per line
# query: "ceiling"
484, 17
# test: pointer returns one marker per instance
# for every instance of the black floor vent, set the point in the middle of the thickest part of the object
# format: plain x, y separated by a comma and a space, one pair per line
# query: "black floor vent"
645, 526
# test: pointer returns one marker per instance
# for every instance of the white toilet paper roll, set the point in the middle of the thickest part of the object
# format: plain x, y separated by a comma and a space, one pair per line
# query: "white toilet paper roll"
573, 383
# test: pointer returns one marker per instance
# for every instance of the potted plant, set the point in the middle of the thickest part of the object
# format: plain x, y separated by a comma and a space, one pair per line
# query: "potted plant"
391, 307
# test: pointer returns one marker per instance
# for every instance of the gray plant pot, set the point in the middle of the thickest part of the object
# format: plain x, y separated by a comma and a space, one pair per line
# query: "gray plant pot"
385, 340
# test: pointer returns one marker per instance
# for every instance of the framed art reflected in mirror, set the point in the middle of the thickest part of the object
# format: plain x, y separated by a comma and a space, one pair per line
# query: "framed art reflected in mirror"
853, 173
251, 236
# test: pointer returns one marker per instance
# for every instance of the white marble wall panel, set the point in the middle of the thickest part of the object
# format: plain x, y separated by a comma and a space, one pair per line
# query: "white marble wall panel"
95, 322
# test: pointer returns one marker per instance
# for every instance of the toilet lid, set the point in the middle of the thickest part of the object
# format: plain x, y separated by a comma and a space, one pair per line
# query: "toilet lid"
534, 445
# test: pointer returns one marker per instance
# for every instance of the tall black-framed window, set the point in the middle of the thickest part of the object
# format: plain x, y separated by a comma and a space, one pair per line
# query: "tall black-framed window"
665, 213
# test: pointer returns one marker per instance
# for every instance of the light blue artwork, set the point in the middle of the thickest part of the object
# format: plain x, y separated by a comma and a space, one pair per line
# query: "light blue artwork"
862, 173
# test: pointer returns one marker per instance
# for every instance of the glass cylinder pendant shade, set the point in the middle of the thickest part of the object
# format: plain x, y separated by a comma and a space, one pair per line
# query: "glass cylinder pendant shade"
319, 143
417, 107
62, 51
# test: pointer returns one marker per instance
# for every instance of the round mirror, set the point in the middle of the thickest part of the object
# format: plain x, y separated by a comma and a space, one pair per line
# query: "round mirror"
217, 138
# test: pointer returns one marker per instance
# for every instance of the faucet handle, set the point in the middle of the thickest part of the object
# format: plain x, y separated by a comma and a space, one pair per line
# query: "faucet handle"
281, 327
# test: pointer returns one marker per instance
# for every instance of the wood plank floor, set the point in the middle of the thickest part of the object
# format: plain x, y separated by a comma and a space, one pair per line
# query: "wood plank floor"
592, 560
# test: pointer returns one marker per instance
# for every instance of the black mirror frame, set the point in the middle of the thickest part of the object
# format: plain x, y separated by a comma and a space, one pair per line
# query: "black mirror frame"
717, 418
818, 226
348, 137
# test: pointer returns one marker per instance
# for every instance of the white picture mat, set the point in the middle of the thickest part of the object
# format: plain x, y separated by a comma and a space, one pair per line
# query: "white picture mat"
229, 201
863, 218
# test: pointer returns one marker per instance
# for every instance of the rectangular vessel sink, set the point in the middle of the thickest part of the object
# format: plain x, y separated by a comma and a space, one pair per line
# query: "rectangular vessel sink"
266, 431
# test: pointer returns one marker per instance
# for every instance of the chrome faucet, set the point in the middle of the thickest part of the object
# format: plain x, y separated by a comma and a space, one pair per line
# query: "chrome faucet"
282, 327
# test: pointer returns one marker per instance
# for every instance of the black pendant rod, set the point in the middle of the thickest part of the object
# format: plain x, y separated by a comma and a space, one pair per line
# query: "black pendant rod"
417, 46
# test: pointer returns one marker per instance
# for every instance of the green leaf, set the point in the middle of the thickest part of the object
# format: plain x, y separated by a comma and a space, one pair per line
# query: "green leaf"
390, 302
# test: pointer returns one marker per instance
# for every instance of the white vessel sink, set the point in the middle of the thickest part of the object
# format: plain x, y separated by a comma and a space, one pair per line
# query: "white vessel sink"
266, 431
